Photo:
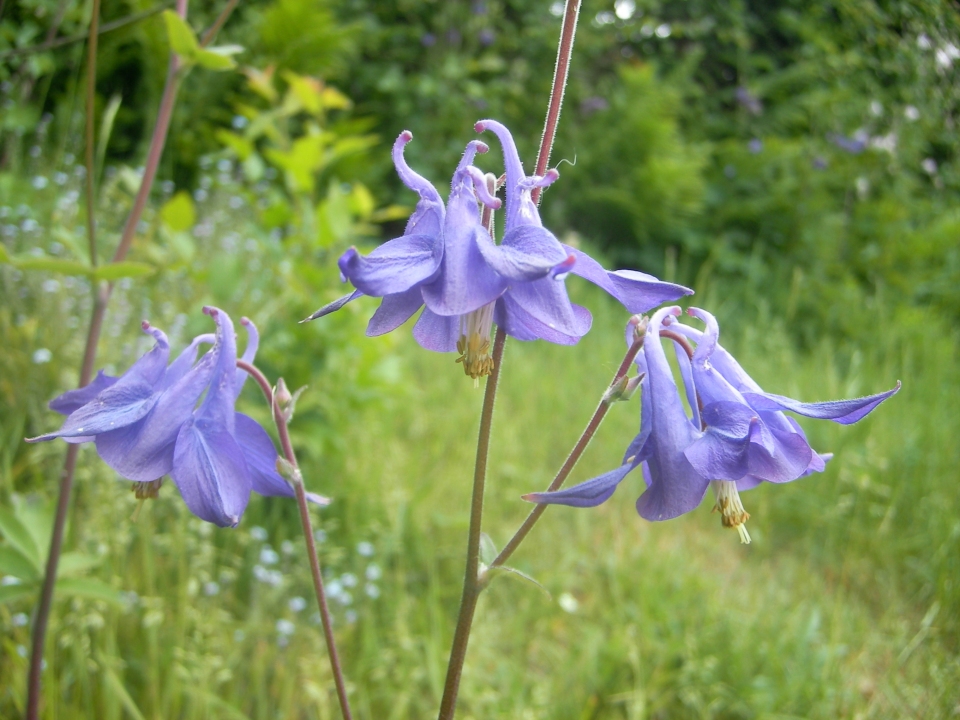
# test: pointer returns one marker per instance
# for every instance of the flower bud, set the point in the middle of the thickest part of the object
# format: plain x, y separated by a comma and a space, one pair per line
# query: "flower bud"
623, 389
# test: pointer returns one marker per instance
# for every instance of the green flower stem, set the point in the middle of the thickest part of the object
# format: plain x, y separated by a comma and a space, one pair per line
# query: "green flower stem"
471, 577
281, 422
568, 30
473, 584
572, 458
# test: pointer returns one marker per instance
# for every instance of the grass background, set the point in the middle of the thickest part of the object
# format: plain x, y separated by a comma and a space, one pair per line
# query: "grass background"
844, 605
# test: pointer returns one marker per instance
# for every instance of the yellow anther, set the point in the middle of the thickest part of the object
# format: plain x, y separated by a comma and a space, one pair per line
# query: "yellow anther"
732, 514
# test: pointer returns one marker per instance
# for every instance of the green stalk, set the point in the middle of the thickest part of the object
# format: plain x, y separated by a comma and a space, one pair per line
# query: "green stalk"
297, 479
471, 577
598, 415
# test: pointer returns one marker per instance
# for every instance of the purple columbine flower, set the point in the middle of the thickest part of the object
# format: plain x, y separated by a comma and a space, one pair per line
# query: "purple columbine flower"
447, 261
145, 424
736, 437
540, 308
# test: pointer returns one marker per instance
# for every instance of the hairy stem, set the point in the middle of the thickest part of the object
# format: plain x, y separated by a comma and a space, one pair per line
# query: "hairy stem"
572, 458
287, 446
568, 30
471, 577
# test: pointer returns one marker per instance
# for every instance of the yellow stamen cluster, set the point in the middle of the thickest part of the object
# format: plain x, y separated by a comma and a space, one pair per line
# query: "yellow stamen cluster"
475, 355
146, 490
732, 514
474, 342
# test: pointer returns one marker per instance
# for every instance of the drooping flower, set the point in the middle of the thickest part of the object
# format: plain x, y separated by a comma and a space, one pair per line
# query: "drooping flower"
146, 424
396, 269
736, 437
538, 307
467, 281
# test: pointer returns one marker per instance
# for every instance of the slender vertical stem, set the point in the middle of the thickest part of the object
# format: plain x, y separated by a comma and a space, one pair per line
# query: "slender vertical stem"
101, 300
471, 577
572, 458
46, 594
211, 33
287, 446
571, 12
322, 599
472, 582
91, 106
42, 617
153, 157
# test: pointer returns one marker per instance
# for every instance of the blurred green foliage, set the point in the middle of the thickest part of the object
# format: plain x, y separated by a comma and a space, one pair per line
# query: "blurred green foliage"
795, 162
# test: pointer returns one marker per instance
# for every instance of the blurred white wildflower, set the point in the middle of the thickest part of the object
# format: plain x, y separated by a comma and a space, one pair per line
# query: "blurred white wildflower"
297, 604
624, 9
568, 603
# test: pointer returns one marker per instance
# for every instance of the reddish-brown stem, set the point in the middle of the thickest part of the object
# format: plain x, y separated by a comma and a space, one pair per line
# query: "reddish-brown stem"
688, 349
91, 103
281, 422
571, 12
679, 340
153, 158
211, 33
46, 593
572, 458
101, 300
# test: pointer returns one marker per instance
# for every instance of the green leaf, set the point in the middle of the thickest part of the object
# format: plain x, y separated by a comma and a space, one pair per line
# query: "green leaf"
4, 255
181, 36
226, 50
74, 563
240, 145
9, 593
223, 709
178, 212
129, 268
106, 128
116, 687
54, 265
18, 536
37, 519
391, 212
517, 574
13, 562
213, 60
88, 588
488, 551
361, 201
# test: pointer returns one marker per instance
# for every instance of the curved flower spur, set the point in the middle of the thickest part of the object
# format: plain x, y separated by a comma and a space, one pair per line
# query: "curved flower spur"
467, 281
146, 424
736, 437
540, 307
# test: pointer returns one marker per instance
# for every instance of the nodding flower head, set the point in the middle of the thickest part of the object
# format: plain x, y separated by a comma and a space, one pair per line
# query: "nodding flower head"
145, 424
735, 436
448, 262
